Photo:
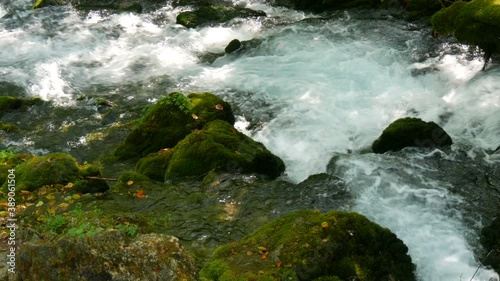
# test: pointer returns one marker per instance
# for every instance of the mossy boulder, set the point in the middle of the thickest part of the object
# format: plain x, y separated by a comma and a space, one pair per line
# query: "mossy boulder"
170, 120
476, 23
107, 256
490, 239
206, 15
37, 171
408, 132
33, 172
309, 245
218, 146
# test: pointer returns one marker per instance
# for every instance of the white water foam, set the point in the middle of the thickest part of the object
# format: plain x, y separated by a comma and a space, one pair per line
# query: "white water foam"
394, 193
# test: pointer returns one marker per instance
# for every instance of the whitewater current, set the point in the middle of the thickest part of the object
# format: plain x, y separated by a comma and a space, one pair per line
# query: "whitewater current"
311, 87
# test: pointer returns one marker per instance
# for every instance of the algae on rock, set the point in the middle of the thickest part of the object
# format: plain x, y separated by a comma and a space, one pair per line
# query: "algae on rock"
215, 14
218, 146
170, 120
309, 245
476, 23
407, 132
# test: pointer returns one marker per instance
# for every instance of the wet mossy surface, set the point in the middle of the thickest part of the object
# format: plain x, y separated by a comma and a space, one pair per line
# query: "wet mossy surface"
170, 120
309, 245
410, 132
33, 172
209, 14
218, 147
8, 103
476, 23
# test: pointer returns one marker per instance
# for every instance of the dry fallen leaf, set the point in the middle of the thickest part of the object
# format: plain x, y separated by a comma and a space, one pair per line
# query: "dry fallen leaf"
219, 107
139, 194
195, 117
130, 182
278, 265
249, 253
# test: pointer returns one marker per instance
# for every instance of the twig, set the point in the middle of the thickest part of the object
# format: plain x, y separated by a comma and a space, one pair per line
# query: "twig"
479, 266
104, 179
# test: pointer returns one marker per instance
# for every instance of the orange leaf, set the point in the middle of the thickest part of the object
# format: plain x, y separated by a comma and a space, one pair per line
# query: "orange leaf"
140, 194
278, 265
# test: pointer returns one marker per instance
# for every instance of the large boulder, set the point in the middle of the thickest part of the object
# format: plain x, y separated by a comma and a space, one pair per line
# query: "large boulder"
206, 15
408, 132
309, 245
490, 239
107, 256
170, 120
218, 146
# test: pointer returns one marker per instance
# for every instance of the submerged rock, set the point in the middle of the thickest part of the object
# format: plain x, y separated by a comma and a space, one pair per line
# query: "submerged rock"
408, 132
170, 120
309, 245
233, 46
107, 256
205, 15
218, 146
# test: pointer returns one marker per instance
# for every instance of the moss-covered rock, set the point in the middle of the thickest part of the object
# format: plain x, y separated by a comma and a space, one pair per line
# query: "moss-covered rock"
233, 46
170, 120
33, 172
8, 103
89, 180
490, 239
8, 128
476, 23
54, 168
218, 146
215, 14
107, 256
408, 132
308, 245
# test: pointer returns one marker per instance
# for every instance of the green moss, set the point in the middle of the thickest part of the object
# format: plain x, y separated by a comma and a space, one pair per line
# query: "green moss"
406, 132
309, 245
89, 180
8, 128
154, 165
8, 103
127, 177
476, 22
169, 121
220, 147
443, 22
54, 168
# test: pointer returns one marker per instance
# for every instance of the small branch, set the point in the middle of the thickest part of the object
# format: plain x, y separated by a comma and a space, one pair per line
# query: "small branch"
479, 266
104, 179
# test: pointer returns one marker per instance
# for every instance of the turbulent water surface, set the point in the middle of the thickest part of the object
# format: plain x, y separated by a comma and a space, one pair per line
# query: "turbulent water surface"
310, 87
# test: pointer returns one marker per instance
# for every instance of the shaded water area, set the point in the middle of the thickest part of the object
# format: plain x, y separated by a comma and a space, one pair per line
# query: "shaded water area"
316, 91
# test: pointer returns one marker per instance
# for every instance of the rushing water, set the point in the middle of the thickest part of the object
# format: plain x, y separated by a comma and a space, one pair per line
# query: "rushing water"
311, 87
